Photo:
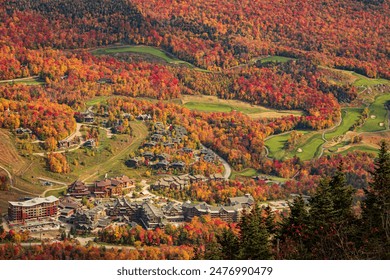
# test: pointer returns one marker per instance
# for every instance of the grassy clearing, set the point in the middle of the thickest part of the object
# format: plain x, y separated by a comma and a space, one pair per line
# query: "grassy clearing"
207, 103
218, 107
365, 81
146, 50
56, 193
208, 107
276, 58
97, 100
361, 148
277, 143
349, 115
351, 77
377, 109
136, 49
9, 156
25, 81
111, 155
250, 172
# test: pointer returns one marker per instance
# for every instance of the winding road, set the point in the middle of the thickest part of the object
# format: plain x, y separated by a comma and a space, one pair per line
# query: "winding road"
227, 169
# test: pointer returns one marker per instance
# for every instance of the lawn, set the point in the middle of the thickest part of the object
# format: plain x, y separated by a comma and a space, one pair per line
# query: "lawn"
276, 144
349, 115
377, 109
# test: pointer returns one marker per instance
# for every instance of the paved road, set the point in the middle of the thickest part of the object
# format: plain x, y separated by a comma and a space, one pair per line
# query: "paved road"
228, 170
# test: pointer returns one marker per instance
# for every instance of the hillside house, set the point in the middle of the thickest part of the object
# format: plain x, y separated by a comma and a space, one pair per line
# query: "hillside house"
178, 165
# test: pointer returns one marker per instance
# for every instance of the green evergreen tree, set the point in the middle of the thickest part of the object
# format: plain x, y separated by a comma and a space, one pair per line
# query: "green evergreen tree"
293, 232
341, 195
332, 225
213, 251
254, 237
269, 220
230, 245
376, 208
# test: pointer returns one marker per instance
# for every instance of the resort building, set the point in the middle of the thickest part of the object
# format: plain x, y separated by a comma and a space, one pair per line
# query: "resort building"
35, 208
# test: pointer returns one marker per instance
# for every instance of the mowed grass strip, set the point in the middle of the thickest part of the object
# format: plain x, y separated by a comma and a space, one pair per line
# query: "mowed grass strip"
379, 113
148, 50
276, 58
365, 81
136, 49
360, 148
97, 100
349, 115
27, 82
250, 172
208, 107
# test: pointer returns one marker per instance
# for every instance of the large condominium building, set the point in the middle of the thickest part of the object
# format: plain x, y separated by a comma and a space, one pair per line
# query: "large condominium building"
35, 208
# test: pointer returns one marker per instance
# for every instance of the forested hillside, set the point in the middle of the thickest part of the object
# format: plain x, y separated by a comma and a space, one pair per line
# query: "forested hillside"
294, 95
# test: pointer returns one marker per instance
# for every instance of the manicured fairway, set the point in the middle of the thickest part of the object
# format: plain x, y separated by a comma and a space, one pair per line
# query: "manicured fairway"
378, 114
218, 107
276, 145
311, 148
349, 115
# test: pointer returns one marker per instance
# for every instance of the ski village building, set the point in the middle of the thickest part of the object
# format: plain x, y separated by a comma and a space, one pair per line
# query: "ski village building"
36, 208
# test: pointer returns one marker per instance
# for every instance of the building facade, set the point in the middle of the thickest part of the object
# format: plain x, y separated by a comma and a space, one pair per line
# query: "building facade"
35, 208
